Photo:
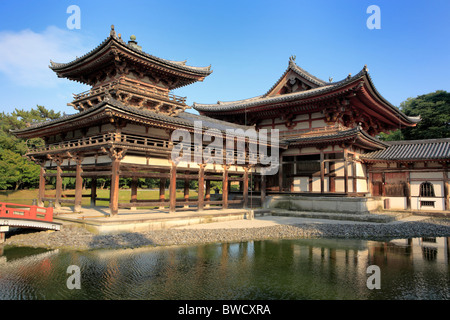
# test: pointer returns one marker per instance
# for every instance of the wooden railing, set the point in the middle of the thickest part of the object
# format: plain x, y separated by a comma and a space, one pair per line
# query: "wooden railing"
107, 138
134, 141
129, 86
21, 211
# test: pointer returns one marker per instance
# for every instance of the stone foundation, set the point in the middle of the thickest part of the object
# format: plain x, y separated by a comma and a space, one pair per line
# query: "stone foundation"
353, 205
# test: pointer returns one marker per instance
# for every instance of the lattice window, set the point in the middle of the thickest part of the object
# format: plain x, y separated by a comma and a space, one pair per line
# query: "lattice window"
427, 203
426, 189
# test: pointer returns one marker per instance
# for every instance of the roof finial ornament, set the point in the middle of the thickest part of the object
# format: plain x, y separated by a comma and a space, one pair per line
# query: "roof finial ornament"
330, 79
292, 58
349, 76
365, 68
112, 33
133, 42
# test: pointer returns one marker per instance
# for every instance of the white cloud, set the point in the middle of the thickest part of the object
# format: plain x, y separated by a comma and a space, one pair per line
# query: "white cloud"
25, 55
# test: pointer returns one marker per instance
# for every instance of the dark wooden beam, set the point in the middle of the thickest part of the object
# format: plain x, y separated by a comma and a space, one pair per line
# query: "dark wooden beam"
201, 183
41, 193
114, 190
173, 188
245, 186
225, 188
58, 186
78, 185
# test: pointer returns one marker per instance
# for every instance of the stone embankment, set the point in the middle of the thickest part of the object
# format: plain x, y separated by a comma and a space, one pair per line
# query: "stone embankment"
77, 238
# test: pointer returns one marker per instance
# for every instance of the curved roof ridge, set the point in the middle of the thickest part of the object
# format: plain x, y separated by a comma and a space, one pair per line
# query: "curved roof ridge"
232, 105
424, 141
113, 37
301, 72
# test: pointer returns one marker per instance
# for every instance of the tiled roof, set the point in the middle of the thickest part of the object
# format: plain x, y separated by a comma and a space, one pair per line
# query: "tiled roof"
410, 150
301, 72
353, 134
113, 37
323, 87
183, 118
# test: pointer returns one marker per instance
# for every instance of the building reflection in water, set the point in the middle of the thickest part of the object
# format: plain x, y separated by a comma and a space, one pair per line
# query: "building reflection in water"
272, 269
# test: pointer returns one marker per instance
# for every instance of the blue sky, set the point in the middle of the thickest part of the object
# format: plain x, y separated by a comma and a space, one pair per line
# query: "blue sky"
247, 43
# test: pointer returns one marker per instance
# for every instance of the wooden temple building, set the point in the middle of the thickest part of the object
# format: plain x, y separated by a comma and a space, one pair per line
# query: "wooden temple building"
328, 146
331, 131
123, 129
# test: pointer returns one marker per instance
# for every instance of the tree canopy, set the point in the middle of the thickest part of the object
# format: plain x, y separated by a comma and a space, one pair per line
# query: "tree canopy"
15, 170
434, 111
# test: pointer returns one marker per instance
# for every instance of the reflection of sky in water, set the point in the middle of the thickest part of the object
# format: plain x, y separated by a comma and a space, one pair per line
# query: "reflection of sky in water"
281, 269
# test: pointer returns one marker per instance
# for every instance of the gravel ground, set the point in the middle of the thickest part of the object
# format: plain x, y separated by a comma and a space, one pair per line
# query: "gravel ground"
77, 238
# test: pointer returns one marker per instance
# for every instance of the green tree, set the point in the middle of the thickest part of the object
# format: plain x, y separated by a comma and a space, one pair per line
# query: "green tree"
393, 136
17, 171
434, 110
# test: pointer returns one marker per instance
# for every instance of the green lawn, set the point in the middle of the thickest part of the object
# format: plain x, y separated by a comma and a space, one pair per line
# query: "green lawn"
27, 196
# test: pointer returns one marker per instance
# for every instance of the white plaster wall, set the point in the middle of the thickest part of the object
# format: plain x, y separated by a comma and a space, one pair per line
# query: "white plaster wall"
316, 115
426, 175
302, 125
309, 150
318, 123
134, 160
316, 184
103, 159
360, 172
439, 203
301, 184
302, 117
339, 169
398, 203
88, 160
350, 185
361, 185
339, 185
438, 187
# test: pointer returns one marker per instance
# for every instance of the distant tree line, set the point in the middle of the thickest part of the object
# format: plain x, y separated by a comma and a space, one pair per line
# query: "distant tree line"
18, 172
434, 111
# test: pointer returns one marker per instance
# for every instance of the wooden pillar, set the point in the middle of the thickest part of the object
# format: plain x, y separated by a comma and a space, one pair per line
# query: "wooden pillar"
186, 193
408, 189
114, 191
173, 189
93, 191
201, 189
322, 172
134, 187
245, 186
207, 192
345, 171
41, 193
263, 189
78, 184
369, 182
446, 189
58, 186
355, 188
225, 187
162, 191
280, 175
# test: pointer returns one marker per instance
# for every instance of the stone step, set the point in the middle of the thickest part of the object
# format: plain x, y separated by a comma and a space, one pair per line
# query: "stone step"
370, 217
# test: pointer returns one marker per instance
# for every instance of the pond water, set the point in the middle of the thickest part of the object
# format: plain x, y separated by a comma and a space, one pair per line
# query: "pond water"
415, 268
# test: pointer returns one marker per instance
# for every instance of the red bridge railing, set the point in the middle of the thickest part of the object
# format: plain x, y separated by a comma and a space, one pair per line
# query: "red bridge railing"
21, 211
